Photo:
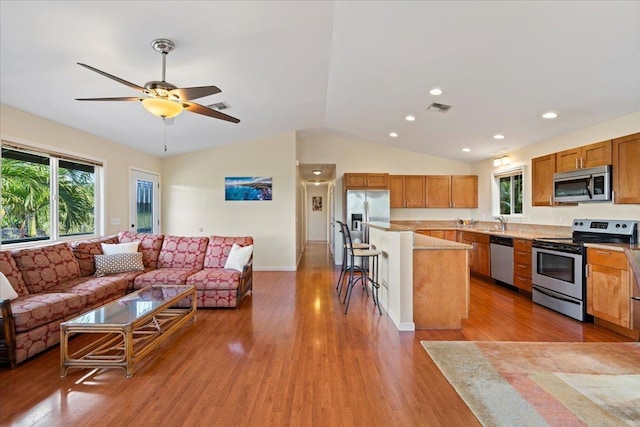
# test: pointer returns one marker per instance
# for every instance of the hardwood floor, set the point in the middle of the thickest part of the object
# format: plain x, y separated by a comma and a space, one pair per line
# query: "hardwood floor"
287, 356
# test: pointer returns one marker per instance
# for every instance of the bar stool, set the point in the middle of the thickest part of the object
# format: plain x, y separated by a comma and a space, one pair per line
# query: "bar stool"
345, 253
368, 270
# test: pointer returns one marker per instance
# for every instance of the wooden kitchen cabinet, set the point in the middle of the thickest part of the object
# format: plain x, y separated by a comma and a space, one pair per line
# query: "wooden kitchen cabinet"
366, 180
626, 169
542, 170
587, 156
407, 191
480, 254
396, 191
451, 191
522, 264
610, 285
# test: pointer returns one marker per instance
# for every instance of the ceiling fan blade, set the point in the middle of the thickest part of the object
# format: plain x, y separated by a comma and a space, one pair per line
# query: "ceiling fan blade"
206, 111
122, 98
118, 79
189, 93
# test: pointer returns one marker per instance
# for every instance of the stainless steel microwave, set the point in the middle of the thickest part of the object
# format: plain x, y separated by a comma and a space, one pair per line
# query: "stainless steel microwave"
583, 185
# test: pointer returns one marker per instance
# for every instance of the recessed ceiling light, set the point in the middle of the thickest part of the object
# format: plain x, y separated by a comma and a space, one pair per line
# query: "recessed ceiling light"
393, 134
466, 150
436, 91
317, 172
498, 136
316, 183
410, 118
550, 115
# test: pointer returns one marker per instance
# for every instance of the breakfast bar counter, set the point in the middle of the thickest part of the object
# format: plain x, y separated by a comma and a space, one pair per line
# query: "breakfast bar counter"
424, 280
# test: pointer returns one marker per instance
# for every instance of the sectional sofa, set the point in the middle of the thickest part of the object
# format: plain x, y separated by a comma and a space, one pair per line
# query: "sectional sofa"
57, 282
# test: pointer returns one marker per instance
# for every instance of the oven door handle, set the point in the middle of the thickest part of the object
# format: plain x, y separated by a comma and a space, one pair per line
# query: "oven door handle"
555, 295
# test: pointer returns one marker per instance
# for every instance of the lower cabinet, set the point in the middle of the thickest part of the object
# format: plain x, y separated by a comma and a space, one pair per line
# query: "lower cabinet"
610, 286
480, 254
522, 264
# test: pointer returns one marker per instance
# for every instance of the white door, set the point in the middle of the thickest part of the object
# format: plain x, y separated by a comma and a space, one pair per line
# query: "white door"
144, 202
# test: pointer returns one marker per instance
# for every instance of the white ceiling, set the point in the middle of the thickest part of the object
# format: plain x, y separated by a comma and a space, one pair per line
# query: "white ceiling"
351, 68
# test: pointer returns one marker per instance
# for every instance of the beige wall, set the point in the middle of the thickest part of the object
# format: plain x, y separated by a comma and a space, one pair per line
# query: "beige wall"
559, 215
193, 197
25, 128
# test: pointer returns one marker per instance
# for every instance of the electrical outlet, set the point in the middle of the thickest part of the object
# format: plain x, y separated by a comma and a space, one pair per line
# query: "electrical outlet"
115, 221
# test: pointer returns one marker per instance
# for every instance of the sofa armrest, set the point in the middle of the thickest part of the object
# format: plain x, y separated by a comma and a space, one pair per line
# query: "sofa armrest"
7, 334
246, 279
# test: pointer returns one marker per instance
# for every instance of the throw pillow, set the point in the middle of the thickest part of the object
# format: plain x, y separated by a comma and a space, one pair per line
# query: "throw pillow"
120, 248
238, 257
118, 263
6, 290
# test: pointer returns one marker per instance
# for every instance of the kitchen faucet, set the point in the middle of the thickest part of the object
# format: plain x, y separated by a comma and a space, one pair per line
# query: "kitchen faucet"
503, 223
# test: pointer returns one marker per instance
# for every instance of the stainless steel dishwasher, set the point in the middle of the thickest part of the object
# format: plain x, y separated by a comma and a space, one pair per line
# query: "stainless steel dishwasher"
502, 258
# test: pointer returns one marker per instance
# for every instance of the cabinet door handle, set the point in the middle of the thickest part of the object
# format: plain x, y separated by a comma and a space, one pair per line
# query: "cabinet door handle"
577, 167
587, 272
551, 200
603, 252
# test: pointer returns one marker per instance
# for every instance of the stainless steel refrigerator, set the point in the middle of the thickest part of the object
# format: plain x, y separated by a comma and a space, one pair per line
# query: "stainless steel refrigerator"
366, 206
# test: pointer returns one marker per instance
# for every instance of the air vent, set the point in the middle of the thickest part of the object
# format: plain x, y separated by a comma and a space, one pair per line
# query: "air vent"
440, 108
219, 106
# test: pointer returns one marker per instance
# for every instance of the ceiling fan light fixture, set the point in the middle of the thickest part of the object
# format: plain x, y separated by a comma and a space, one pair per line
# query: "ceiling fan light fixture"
162, 107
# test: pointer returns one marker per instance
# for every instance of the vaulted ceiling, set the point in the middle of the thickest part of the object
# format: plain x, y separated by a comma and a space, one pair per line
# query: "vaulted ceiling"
353, 68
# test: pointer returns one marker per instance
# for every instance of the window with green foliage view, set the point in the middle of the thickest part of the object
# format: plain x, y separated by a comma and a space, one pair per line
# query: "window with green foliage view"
509, 186
45, 197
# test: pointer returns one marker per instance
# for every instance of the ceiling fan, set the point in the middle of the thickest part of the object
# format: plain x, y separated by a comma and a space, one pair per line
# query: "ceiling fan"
164, 99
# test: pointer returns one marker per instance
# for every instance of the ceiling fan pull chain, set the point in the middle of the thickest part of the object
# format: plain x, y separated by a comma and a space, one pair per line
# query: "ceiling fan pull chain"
164, 125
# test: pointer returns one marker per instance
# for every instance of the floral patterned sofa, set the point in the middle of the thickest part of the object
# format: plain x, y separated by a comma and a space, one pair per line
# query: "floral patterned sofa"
55, 283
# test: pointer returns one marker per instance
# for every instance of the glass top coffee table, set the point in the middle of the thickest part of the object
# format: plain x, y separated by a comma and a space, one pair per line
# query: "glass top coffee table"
127, 329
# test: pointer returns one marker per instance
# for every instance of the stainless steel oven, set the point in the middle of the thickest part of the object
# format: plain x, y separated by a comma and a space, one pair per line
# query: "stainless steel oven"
558, 264
558, 278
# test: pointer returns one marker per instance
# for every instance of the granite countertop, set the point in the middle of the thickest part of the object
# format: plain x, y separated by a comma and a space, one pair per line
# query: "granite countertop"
517, 231
421, 242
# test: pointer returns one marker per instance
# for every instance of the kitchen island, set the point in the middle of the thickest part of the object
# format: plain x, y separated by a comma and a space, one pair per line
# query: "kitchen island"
424, 280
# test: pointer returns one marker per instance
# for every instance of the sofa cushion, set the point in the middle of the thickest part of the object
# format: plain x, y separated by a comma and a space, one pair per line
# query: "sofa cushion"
47, 266
238, 257
118, 263
164, 276
95, 289
215, 278
85, 250
9, 268
130, 276
31, 311
183, 252
150, 245
219, 247
120, 248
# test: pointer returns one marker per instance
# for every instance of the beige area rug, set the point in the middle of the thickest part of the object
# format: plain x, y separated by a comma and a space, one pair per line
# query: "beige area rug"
544, 384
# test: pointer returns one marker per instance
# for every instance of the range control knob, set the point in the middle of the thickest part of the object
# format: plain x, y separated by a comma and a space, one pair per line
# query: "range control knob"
624, 225
617, 225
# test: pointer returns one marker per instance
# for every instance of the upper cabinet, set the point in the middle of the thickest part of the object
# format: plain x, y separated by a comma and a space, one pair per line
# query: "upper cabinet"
464, 191
542, 170
366, 180
446, 191
433, 191
626, 170
588, 156
407, 191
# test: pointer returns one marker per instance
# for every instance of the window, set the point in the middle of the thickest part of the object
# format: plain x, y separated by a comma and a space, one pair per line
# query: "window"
46, 196
507, 193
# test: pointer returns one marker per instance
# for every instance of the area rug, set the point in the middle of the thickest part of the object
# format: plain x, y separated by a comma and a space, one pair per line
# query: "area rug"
544, 384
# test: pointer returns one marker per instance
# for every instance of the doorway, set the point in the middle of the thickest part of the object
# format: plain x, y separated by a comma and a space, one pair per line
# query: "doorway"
144, 202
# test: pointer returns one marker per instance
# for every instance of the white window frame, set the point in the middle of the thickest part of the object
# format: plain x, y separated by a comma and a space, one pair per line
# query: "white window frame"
495, 189
54, 156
